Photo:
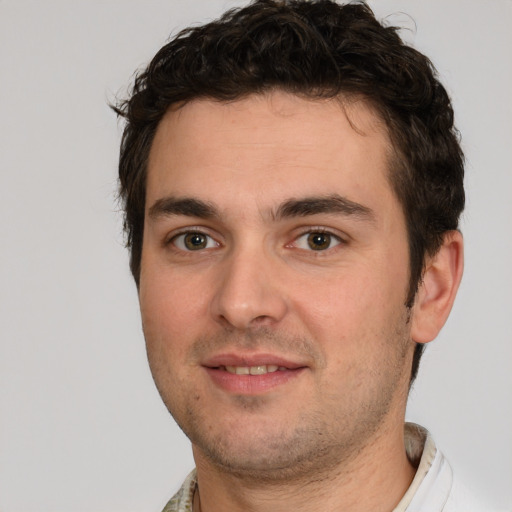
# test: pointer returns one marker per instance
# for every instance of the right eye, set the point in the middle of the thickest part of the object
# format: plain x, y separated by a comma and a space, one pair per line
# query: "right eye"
317, 241
193, 241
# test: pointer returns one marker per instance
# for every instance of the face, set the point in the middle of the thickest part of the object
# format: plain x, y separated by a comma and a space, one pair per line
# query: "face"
274, 276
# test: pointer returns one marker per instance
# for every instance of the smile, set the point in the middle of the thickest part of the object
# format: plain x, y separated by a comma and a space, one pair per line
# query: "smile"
251, 374
253, 370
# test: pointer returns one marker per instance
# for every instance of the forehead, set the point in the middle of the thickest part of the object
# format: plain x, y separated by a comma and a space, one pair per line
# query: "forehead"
270, 146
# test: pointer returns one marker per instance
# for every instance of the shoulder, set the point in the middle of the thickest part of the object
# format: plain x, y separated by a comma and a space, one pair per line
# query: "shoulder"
462, 499
182, 501
435, 488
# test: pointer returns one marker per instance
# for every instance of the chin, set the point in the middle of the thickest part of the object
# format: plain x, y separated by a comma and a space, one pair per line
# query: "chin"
269, 451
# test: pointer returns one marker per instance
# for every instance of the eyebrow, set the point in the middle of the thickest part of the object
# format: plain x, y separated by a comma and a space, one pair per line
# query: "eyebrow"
190, 207
324, 204
308, 206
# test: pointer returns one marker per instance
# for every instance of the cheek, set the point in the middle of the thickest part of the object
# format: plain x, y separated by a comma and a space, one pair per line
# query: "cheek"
168, 331
166, 288
172, 311
353, 310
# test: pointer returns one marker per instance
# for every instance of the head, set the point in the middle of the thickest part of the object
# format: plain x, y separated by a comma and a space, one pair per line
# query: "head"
314, 50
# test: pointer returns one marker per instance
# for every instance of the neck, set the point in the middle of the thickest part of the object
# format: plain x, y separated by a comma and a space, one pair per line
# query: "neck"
376, 479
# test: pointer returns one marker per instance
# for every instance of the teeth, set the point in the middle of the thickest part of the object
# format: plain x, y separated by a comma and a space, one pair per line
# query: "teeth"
242, 370
254, 370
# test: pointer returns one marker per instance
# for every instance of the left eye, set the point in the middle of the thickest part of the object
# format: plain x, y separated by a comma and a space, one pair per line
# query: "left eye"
194, 241
317, 241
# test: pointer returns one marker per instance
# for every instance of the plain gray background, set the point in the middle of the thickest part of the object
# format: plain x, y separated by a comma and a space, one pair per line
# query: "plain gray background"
81, 425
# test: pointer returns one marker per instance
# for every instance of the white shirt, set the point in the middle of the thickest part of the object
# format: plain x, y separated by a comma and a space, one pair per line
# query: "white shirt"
433, 488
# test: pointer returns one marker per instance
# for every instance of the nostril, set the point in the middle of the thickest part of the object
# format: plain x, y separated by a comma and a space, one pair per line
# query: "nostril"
262, 319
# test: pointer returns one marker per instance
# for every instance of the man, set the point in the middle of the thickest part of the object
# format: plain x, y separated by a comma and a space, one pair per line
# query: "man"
292, 183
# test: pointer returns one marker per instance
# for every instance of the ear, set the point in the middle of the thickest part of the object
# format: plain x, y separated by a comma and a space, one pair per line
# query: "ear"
436, 293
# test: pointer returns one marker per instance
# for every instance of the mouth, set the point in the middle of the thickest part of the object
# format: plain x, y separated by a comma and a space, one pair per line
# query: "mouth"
251, 375
253, 370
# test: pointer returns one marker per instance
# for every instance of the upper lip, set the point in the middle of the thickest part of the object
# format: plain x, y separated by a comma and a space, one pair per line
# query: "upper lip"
260, 359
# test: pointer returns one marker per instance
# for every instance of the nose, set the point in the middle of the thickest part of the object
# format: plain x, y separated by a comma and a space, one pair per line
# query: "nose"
248, 293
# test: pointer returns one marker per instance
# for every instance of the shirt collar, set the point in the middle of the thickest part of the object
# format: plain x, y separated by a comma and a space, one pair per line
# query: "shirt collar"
432, 482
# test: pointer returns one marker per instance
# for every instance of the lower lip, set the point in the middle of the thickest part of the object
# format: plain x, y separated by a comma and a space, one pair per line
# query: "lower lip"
251, 384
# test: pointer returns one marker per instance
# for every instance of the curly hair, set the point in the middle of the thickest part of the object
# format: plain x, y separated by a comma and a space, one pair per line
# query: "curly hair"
316, 49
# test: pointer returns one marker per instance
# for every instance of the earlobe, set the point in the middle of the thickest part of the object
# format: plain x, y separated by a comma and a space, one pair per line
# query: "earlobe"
436, 293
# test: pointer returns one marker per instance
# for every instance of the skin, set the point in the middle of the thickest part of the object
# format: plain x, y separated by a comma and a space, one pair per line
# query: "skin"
234, 178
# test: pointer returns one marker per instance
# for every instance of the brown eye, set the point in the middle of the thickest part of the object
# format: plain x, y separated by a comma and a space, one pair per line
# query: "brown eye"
319, 241
193, 241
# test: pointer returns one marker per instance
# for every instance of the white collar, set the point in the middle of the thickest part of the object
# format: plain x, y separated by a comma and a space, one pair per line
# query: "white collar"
432, 483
